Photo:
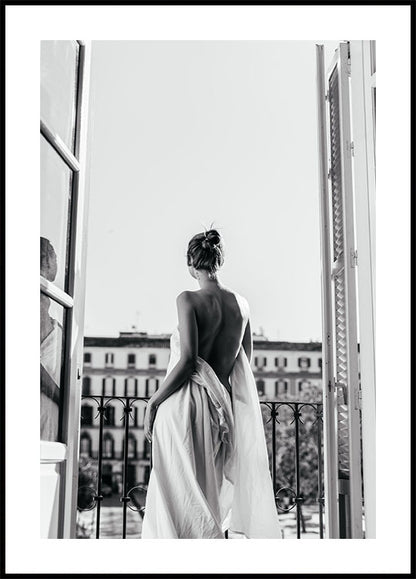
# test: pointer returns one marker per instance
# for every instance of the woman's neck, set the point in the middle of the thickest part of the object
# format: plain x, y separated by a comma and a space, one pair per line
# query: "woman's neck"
207, 281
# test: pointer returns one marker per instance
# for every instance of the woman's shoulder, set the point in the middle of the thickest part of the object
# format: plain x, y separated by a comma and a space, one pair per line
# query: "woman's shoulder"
185, 298
243, 303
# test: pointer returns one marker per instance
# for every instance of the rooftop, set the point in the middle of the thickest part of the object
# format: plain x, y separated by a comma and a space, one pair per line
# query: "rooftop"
144, 340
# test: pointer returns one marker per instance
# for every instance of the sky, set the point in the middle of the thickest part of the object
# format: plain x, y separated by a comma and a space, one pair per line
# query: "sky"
184, 134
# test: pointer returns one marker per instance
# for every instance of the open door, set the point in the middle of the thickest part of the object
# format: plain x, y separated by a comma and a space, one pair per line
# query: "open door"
341, 381
64, 99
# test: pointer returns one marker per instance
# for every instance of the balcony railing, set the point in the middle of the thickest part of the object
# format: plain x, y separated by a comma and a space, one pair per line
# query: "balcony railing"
293, 432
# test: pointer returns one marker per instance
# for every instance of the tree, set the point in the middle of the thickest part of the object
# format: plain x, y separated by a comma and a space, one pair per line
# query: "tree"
87, 488
308, 424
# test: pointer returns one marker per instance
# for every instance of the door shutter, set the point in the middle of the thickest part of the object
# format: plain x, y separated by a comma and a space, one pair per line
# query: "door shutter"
343, 485
63, 163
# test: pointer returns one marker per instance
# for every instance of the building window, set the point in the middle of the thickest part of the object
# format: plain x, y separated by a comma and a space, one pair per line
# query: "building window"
85, 444
260, 387
152, 384
281, 387
108, 445
109, 359
260, 362
86, 385
109, 386
131, 360
139, 415
280, 362
87, 358
141, 387
152, 359
303, 385
320, 362
86, 415
130, 386
132, 446
304, 363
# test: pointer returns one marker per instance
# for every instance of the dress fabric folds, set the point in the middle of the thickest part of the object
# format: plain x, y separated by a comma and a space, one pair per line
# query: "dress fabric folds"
210, 465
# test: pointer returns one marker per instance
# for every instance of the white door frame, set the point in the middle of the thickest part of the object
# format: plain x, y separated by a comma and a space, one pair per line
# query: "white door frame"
363, 126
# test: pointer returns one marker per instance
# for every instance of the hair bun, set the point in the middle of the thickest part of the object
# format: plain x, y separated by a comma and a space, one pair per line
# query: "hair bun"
213, 237
205, 251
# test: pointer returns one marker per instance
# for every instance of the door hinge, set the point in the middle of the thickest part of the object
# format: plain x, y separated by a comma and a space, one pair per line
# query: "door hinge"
354, 258
79, 373
351, 147
341, 390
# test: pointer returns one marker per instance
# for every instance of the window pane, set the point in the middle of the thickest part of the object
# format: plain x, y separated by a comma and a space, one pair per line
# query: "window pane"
58, 73
55, 182
51, 359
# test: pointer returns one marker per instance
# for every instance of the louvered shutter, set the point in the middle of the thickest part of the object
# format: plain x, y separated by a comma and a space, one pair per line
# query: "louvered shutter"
340, 345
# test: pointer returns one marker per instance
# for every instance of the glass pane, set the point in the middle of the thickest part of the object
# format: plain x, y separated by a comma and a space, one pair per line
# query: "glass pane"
55, 183
51, 358
58, 76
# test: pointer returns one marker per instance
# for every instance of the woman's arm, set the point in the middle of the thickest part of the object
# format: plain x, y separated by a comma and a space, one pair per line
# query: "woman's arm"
188, 331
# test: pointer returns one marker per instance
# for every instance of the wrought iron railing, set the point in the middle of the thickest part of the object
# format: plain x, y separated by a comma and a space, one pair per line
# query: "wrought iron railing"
294, 438
304, 450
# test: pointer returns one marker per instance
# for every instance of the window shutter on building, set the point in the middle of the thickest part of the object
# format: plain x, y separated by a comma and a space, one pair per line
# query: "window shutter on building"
340, 354
86, 386
86, 415
109, 415
260, 387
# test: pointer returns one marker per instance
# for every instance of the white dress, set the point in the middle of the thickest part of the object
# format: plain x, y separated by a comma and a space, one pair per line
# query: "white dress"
210, 465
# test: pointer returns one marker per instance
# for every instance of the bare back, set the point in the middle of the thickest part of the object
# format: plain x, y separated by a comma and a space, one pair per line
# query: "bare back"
221, 327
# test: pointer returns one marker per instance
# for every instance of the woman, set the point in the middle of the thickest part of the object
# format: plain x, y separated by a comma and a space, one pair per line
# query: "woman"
50, 350
210, 466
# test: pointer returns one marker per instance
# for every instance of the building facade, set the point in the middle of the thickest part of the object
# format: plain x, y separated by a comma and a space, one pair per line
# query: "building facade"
134, 365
